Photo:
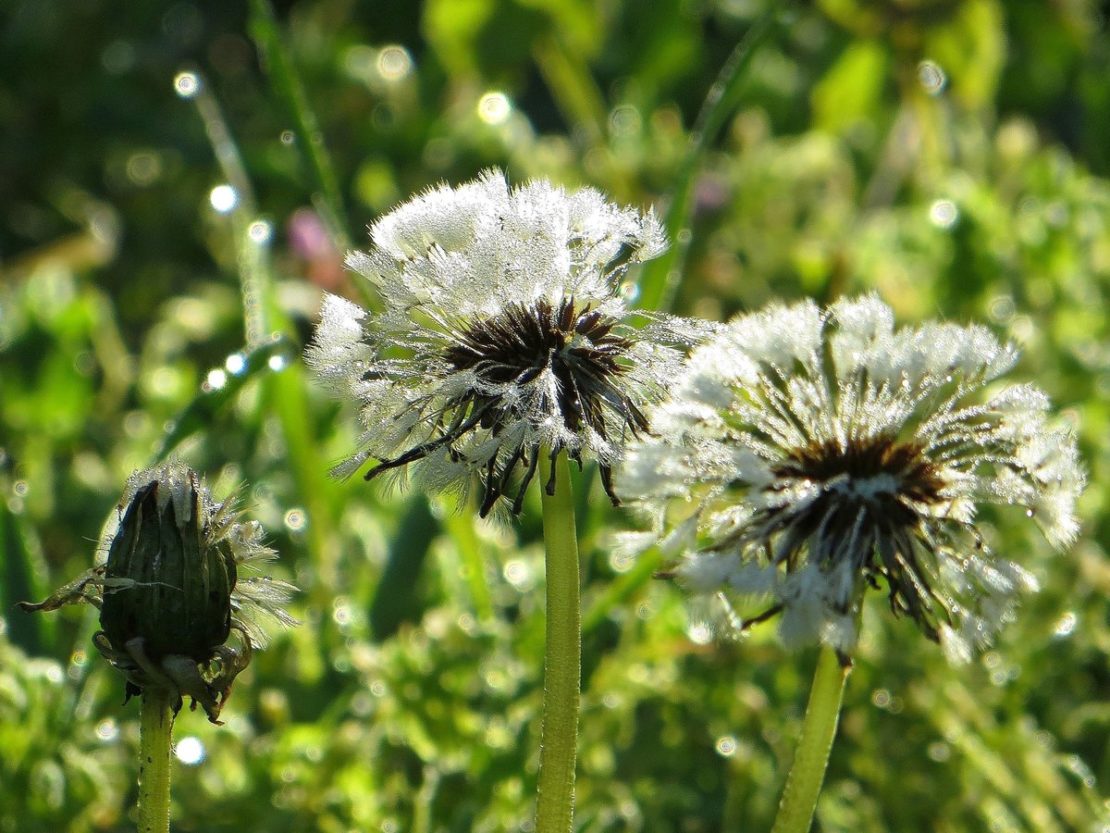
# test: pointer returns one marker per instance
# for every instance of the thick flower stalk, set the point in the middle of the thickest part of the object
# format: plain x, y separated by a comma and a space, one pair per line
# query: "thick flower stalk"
180, 611
506, 346
806, 456
504, 333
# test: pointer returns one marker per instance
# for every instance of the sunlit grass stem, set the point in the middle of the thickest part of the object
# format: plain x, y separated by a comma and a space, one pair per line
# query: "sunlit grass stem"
811, 758
290, 87
155, 732
562, 667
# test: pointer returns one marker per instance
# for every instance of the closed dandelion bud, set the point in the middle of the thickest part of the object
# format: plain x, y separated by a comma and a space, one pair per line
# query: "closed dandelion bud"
172, 587
179, 611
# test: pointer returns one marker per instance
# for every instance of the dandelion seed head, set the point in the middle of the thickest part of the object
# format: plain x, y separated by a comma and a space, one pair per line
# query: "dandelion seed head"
806, 455
505, 331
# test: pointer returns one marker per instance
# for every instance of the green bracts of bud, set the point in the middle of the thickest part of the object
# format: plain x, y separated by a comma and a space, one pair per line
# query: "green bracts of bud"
173, 591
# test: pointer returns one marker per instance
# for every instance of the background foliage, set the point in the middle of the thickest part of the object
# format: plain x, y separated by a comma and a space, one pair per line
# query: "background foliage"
950, 155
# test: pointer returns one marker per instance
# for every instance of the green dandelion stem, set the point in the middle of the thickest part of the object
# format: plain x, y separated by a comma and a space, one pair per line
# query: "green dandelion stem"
155, 730
562, 666
811, 758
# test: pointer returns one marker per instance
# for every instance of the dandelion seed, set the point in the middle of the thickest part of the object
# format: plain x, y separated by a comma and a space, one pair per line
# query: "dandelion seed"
807, 455
504, 333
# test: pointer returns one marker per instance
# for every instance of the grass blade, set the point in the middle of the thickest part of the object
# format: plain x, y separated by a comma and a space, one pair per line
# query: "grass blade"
660, 278
279, 63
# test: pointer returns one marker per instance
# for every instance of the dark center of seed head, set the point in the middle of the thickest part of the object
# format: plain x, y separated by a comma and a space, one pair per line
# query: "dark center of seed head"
861, 459
576, 345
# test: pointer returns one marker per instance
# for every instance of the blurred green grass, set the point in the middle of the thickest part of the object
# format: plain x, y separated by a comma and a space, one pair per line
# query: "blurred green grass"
951, 156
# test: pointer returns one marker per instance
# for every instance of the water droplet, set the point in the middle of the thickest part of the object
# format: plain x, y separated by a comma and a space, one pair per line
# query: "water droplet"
186, 84
260, 231
630, 291
295, 519
394, 63
1002, 309
223, 198
494, 108
516, 572
943, 213
215, 380
931, 77
880, 697
236, 363
621, 562
107, 730
77, 662
143, 167
939, 751
625, 120
189, 750
1065, 625
726, 746
699, 633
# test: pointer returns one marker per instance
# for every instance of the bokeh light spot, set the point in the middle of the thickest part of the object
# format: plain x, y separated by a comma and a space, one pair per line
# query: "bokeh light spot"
189, 750
494, 108
186, 84
223, 198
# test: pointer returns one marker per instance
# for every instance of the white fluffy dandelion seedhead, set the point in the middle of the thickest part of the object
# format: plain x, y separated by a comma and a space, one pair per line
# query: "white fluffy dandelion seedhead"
807, 455
504, 332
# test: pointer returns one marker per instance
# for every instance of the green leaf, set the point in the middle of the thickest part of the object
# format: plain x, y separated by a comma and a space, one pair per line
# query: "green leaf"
851, 91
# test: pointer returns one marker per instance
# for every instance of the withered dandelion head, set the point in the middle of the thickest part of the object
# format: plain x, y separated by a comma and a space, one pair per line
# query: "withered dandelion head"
806, 456
179, 580
504, 333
